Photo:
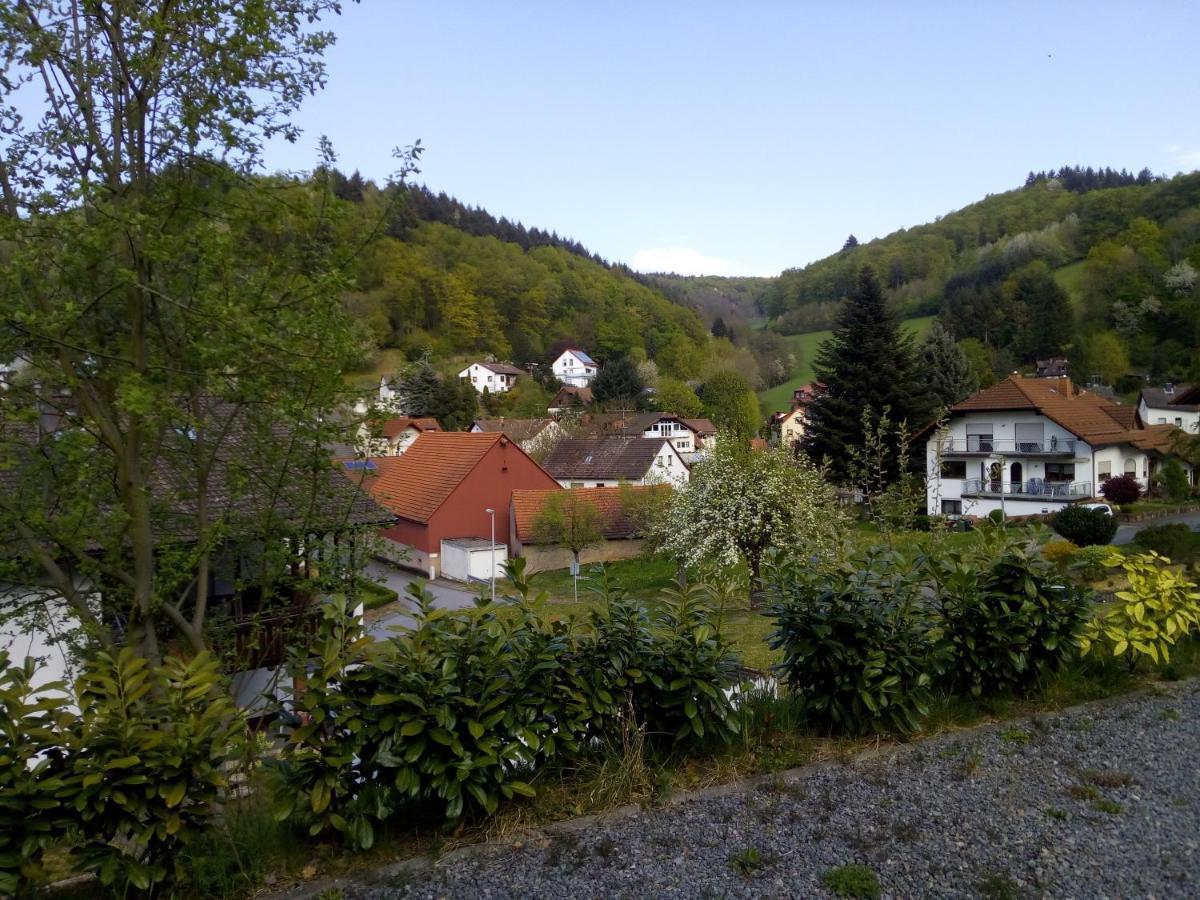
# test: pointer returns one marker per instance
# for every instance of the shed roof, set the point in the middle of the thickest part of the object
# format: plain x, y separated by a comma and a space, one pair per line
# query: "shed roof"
392, 427
520, 430
614, 521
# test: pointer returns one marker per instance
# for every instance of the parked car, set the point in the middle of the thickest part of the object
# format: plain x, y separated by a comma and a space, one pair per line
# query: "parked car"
1104, 506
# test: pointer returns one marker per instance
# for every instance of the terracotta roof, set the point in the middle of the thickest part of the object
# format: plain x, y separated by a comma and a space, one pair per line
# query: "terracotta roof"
520, 430
702, 427
602, 458
415, 485
392, 427
1085, 414
1159, 439
635, 423
503, 368
609, 501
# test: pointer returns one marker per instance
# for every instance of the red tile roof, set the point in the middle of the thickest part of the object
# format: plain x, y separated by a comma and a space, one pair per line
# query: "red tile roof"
614, 522
392, 427
416, 484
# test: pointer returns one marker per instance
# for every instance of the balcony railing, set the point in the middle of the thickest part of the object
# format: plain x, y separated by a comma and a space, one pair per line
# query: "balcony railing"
993, 446
1036, 487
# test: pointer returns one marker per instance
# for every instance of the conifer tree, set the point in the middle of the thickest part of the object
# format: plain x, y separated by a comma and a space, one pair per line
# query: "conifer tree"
867, 364
945, 368
618, 384
851, 243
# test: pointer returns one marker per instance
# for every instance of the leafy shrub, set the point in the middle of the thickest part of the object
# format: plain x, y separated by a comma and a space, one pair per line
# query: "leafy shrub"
855, 639
30, 814
1084, 527
1005, 621
854, 881
1060, 553
1088, 563
1121, 489
1175, 541
1173, 480
1160, 606
145, 763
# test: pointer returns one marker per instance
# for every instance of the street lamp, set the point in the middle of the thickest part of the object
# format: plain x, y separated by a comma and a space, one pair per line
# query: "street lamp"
491, 512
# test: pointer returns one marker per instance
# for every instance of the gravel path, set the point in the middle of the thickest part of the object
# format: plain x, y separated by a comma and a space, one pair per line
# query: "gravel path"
1100, 801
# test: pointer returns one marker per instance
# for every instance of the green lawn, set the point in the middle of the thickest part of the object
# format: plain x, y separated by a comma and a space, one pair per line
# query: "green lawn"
779, 398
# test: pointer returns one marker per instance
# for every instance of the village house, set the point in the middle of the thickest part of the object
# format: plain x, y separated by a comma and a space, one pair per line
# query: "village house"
575, 368
534, 435
1054, 367
496, 378
393, 436
685, 435
612, 460
1171, 404
622, 537
791, 427
570, 399
440, 492
1034, 445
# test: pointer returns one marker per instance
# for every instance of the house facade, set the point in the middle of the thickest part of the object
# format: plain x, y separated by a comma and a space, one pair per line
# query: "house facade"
1171, 404
441, 489
534, 435
393, 436
614, 460
1030, 446
495, 378
574, 368
570, 399
791, 427
685, 435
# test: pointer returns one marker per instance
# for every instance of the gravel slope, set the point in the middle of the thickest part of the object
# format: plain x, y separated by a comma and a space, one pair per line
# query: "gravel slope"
1101, 801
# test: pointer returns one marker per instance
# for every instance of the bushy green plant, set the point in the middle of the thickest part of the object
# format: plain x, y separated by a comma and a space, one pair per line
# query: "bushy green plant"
1160, 606
1121, 489
1172, 480
1175, 541
1060, 553
1088, 563
1006, 618
855, 639
1084, 527
146, 763
30, 812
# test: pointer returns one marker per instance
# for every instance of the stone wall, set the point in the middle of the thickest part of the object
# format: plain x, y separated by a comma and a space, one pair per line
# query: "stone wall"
543, 558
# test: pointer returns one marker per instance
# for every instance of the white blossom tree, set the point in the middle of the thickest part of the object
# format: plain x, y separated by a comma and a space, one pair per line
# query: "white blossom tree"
741, 502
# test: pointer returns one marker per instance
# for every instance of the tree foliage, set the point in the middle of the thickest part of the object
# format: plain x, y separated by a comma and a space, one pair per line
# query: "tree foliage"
618, 385
569, 521
730, 403
945, 367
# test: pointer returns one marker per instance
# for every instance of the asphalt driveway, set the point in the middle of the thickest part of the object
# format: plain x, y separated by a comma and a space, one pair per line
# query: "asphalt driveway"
1126, 532
445, 596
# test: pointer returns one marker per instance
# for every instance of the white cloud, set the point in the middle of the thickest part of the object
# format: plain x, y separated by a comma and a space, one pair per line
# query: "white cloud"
1187, 158
681, 261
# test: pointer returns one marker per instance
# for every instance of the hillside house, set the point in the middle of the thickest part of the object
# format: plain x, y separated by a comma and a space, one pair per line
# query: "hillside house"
1054, 367
612, 460
1034, 445
622, 536
495, 378
791, 427
1171, 404
685, 435
441, 489
570, 399
534, 435
393, 436
575, 368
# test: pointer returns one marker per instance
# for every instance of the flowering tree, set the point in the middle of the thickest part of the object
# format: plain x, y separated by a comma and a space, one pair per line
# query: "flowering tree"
741, 502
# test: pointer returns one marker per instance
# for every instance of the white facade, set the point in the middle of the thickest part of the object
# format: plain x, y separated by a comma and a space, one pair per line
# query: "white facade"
481, 377
681, 437
1169, 415
574, 367
471, 559
1020, 462
667, 467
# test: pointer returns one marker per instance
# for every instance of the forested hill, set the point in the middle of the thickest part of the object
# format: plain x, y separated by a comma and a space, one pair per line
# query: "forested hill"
451, 281
1072, 255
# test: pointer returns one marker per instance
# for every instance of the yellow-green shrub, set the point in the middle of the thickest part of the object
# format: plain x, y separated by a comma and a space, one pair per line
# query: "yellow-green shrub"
1160, 606
1059, 552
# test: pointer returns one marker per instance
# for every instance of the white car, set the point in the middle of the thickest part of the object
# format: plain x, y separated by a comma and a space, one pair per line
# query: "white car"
1103, 506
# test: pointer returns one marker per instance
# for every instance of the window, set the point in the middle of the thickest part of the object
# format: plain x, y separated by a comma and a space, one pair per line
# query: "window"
1161, 420
577, 484
1060, 471
1178, 422
951, 507
1131, 467
979, 437
1104, 470
954, 468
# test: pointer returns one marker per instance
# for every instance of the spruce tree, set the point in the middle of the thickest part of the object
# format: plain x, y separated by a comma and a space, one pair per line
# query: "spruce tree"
868, 363
944, 367
851, 243
618, 384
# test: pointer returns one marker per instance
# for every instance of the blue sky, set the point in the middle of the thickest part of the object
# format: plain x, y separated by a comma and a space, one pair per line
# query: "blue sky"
748, 138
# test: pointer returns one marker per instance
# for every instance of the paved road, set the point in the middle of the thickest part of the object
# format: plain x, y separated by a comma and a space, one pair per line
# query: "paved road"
1126, 532
445, 595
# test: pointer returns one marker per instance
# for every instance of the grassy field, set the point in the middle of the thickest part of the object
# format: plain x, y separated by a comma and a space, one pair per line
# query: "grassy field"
780, 397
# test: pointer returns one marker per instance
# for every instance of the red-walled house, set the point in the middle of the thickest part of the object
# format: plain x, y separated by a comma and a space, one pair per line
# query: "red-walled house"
441, 488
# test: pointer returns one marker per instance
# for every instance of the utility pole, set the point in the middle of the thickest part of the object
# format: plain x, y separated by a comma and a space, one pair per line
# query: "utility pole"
491, 512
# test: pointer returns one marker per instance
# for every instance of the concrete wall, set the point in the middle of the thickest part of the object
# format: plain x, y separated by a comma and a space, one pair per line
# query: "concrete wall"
542, 558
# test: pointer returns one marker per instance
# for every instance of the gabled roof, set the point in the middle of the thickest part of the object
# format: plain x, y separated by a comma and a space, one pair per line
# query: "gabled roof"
569, 394
634, 423
702, 427
520, 430
392, 427
1183, 397
1085, 414
500, 368
614, 523
602, 458
579, 355
415, 485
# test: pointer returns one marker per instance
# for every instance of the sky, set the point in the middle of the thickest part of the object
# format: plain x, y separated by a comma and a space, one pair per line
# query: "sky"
747, 138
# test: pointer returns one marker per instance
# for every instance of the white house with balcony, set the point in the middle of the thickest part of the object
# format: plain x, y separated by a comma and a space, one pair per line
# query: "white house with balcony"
574, 367
1171, 404
495, 378
1028, 446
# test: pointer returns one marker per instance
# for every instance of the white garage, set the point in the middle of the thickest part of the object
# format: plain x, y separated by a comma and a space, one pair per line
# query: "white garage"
470, 559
